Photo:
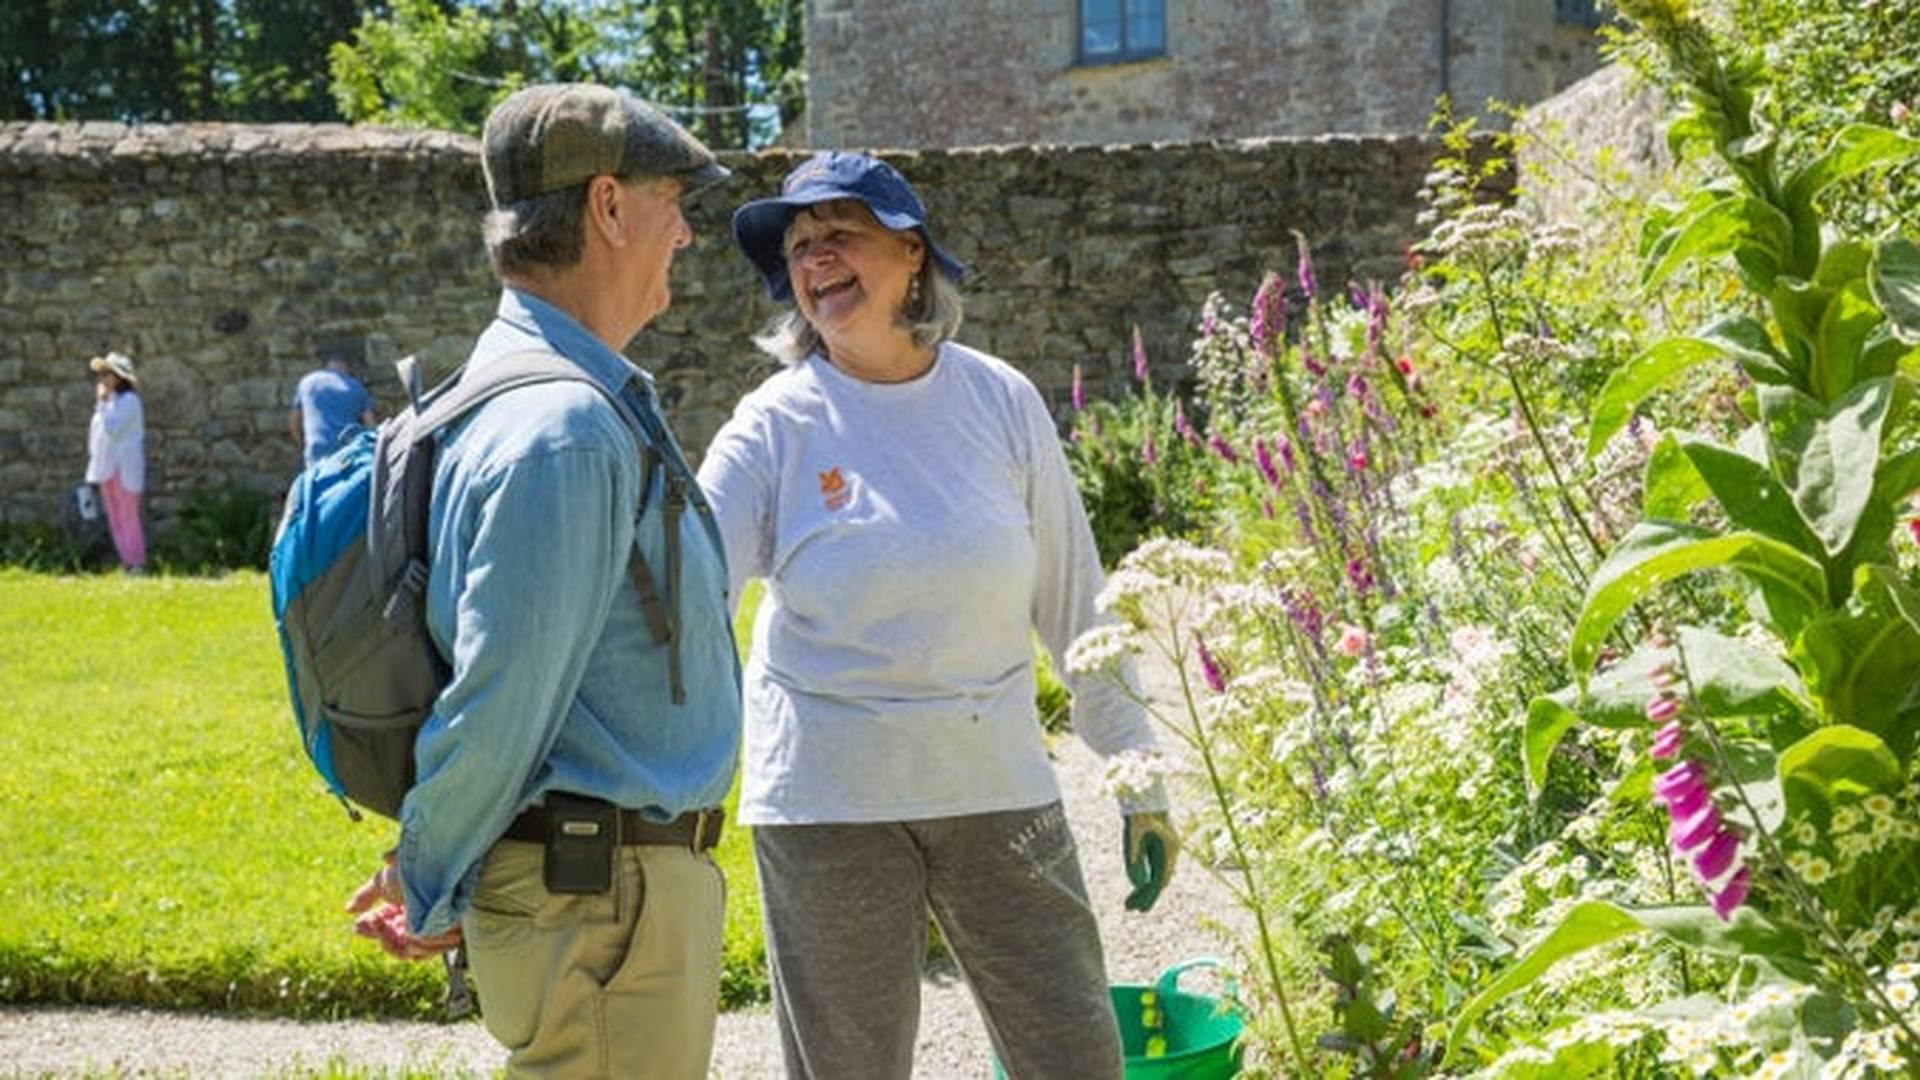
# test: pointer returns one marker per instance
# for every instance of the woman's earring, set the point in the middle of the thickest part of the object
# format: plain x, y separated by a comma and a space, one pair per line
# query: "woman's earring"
913, 290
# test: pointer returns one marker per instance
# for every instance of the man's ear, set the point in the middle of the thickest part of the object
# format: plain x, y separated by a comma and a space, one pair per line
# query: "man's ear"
604, 211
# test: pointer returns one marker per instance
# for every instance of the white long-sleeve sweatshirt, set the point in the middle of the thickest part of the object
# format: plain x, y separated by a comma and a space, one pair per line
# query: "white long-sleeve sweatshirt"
912, 536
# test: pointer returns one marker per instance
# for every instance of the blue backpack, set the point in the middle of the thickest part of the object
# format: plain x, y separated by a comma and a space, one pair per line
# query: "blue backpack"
349, 575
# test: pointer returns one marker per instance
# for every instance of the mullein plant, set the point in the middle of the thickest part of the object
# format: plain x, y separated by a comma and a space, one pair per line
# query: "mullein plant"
1757, 739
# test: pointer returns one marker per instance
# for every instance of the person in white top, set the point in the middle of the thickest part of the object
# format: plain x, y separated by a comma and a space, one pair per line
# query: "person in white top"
117, 454
908, 504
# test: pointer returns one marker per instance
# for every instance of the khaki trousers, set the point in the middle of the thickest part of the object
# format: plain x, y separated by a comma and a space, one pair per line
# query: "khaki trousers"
623, 984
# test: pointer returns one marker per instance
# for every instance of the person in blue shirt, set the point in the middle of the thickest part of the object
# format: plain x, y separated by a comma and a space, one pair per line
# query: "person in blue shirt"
326, 403
570, 778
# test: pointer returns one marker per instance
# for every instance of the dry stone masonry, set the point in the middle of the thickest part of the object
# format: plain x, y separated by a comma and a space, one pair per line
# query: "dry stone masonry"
229, 259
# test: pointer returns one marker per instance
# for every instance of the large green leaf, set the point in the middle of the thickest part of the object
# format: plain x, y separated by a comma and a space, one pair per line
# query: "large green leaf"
1748, 492
1862, 665
1883, 353
1747, 933
1656, 552
1586, 926
1632, 381
1827, 457
1835, 762
1844, 327
1894, 277
1720, 227
1844, 262
1798, 305
1854, 149
1672, 486
1729, 676
1745, 340
1593, 923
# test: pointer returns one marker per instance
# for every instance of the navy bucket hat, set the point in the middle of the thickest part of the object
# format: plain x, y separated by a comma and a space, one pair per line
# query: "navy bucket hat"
760, 227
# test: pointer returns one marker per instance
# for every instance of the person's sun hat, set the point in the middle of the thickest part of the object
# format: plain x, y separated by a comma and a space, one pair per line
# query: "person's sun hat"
760, 227
556, 135
117, 364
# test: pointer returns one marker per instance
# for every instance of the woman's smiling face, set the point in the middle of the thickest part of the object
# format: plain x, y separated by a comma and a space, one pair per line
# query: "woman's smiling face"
849, 272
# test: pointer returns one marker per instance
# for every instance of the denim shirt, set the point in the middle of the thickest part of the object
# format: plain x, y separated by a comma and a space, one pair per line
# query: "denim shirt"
557, 683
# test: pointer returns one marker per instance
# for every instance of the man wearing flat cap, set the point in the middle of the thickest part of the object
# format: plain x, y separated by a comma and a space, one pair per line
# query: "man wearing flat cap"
570, 778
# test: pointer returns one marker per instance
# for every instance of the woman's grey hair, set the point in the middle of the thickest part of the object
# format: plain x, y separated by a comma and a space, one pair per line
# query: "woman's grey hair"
934, 318
546, 231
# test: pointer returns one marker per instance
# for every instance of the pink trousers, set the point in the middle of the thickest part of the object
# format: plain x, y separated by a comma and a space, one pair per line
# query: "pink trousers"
123, 520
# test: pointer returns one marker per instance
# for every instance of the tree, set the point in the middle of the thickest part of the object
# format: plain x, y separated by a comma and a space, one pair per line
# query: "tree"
170, 60
732, 69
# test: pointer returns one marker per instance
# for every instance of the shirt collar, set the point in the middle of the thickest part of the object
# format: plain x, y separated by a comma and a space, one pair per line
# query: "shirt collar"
531, 315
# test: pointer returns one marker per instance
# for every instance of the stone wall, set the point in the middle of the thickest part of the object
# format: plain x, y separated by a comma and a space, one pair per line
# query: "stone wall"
1609, 127
227, 259
970, 72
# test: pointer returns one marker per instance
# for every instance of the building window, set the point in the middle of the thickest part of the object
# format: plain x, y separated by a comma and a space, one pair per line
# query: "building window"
1577, 13
1115, 30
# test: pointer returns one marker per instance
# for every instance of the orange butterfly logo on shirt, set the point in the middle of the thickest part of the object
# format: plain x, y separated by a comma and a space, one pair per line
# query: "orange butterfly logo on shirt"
833, 489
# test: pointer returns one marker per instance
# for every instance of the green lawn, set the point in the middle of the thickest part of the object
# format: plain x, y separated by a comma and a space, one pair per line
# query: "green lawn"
167, 841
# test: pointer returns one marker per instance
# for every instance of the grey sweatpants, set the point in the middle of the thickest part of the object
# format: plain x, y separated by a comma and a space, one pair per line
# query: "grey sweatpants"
846, 920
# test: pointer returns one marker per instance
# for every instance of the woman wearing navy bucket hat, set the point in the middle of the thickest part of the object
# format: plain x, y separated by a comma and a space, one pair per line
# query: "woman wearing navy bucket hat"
906, 499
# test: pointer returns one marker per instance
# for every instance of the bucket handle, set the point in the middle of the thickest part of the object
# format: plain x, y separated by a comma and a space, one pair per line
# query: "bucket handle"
1169, 980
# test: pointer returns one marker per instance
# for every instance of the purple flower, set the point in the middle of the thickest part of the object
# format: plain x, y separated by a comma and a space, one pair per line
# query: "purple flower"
1268, 327
1209, 667
1358, 575
1663, 707
1733, 893
1286, 453
1264, 462
1079, 392
1679, 780
1315, 367
1667, 742
1714, 859
1690, 833
1139, 355
1147, 453
1184, 426
1223, 448
1308, 287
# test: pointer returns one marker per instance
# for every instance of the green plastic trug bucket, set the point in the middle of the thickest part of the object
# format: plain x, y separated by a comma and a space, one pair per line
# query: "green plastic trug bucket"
1169, 1034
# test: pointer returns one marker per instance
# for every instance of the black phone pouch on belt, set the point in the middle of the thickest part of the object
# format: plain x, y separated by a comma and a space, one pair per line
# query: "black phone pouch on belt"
581, 836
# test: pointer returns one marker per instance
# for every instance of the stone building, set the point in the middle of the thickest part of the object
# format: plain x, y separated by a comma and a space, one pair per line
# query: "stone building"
926, 73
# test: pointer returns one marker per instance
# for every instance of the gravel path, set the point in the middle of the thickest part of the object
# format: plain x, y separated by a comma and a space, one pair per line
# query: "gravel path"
953, 1044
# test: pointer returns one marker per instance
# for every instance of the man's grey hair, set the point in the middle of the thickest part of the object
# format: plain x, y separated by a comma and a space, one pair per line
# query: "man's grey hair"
543, 232
935, 318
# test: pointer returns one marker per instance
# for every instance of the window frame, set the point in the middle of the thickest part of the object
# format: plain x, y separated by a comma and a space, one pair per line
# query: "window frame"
1127, 53
1584, 14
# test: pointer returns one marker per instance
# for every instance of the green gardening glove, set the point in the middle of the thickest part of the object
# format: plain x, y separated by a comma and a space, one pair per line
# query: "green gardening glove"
1150, 848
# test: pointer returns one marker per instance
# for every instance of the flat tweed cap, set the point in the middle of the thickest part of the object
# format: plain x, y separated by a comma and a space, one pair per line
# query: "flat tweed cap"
556, 135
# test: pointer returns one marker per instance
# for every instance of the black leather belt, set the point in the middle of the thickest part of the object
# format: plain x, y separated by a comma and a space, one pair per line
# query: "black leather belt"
696, 830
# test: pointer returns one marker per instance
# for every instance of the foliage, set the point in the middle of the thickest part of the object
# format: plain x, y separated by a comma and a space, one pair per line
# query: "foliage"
1139, 464
1807, 498
1411, 546
218, 529
1838, 62
172, 846
170, 60
35, 546
733, 70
